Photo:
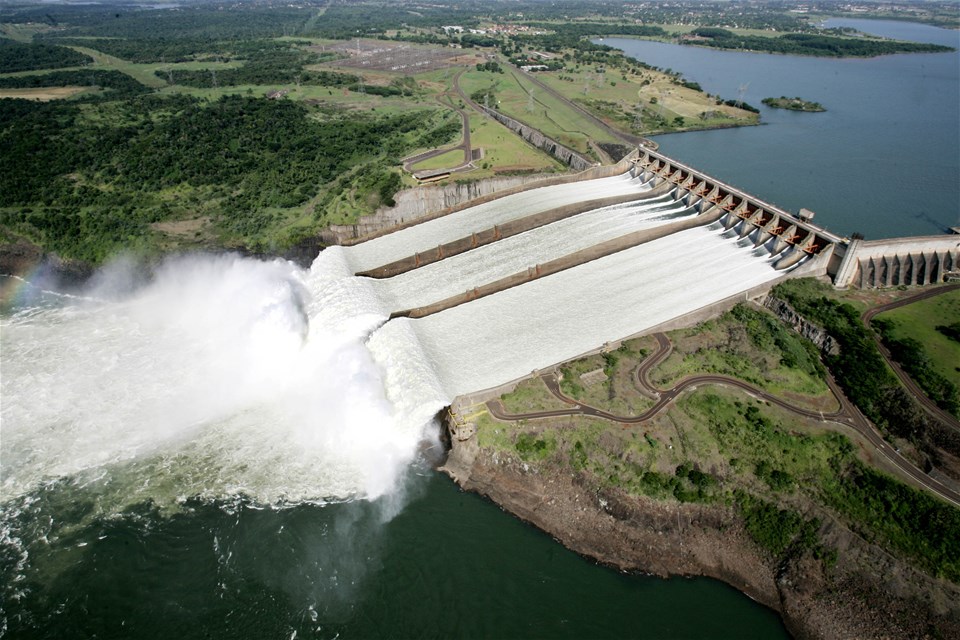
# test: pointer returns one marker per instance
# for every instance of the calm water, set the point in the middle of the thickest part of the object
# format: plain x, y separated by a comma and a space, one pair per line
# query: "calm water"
883, 160
450, 565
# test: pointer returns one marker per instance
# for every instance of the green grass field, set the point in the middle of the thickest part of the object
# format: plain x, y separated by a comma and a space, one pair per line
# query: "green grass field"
446, 160
549, 115
505, 151
920, 320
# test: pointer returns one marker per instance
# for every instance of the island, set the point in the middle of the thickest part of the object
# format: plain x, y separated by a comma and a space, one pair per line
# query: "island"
793, 104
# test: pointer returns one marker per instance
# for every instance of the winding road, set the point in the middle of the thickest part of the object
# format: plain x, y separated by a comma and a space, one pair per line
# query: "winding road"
847, 414
925, 402
408, 163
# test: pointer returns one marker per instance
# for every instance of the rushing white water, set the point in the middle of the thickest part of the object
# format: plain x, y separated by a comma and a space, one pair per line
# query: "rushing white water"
232, 375
454, 275
505, 336
421, 237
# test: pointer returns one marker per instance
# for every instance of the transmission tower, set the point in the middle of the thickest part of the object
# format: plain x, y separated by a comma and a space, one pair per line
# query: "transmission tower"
530, 105
740, 93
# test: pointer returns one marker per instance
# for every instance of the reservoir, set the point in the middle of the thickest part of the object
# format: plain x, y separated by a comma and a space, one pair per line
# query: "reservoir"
185, 457
884, 159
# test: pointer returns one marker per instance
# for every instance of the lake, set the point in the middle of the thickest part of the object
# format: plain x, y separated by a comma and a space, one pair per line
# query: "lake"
883, 160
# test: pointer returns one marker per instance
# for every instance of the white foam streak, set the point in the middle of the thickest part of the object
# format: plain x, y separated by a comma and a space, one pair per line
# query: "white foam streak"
505, 336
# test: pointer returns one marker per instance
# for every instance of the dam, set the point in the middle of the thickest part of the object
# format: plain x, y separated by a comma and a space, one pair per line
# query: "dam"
490, 293
487, 294
340, 370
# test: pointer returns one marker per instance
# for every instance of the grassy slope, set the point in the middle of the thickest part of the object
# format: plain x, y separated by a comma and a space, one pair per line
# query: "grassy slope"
919, 321
721, 445
549, 115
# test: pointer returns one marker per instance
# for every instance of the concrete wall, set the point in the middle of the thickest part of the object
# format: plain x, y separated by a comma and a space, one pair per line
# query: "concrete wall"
593, 173
899, 262
413, 204
562, 153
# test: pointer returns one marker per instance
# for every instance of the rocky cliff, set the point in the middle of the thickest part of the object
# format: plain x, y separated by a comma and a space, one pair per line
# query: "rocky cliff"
865, 594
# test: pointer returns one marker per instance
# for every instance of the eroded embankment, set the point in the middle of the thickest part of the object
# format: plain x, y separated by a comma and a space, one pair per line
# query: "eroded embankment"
866, 594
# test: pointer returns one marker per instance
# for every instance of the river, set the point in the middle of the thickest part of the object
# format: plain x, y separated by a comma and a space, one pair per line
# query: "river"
185, 458
884, 159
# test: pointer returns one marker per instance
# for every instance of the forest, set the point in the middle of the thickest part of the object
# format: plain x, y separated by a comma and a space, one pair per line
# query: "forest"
20, 56
86, 178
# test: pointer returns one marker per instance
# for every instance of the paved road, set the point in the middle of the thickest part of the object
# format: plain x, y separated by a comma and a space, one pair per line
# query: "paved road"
467, 163
847, 414
928, 405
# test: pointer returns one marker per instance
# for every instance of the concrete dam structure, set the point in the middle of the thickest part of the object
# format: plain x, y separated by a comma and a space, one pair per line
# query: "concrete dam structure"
900, 262
488, 292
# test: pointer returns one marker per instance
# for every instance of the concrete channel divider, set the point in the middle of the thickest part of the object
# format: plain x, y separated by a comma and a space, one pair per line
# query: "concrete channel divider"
568, 261
594, 173
505, 230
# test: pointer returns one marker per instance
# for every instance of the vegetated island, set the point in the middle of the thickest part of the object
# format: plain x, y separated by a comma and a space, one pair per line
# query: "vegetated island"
752, 475
793, 104
806, 44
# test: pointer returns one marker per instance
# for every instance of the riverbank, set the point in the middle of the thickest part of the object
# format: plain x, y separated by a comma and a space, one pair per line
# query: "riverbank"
864, 593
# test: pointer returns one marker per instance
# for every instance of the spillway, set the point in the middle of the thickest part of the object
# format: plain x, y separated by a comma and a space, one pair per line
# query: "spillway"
505, 336
226, 376
491, 262
421, 237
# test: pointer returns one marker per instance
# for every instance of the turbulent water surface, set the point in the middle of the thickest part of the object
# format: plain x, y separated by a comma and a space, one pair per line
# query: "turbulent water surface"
229, 444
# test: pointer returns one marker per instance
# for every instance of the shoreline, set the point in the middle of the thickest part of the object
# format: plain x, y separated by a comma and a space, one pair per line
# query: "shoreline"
779, 53
867, 593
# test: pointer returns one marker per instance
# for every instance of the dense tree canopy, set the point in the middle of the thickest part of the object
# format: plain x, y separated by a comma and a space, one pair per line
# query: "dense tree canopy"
19, 56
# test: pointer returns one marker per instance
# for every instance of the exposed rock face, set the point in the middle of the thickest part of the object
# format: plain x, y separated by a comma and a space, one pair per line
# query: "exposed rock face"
866, 594
801, 325
22, 257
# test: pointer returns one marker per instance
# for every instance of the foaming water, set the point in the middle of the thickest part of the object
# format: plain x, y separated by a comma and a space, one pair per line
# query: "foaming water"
234, 376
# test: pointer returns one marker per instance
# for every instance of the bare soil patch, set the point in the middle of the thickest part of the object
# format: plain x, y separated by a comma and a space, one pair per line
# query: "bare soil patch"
42, 94
181, 228
396, 57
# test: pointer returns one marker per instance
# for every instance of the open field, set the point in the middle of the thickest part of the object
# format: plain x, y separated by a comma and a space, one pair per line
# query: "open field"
920, 321
503, 151
397, 57
617, 98
140, 72
543, 111
43, 94
450, 159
